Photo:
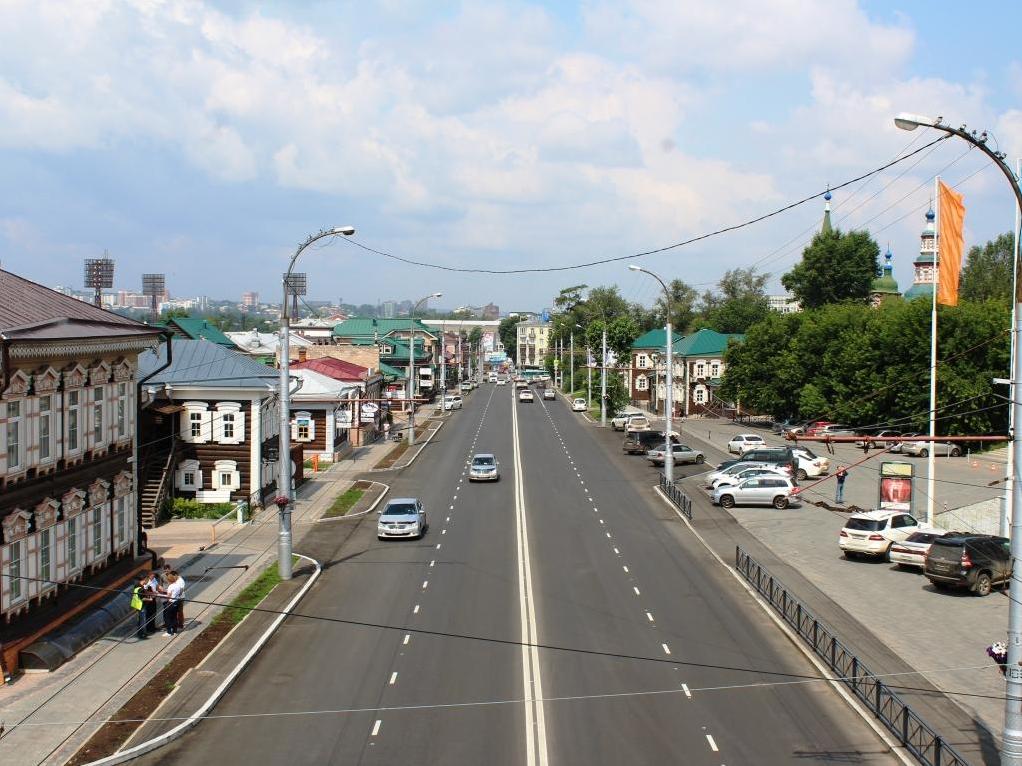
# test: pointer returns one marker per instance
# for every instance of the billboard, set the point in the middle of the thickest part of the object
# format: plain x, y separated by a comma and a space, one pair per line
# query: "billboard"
895, 487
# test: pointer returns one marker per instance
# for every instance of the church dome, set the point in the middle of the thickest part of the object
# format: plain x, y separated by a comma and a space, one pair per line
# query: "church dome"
886, 284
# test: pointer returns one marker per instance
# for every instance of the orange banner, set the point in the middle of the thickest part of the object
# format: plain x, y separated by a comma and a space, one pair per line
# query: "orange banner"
951, 217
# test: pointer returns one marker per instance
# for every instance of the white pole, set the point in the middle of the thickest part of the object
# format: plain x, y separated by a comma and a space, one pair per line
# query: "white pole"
669, 402
589, 385
572, 344
1004, 528
931, 463
603, 380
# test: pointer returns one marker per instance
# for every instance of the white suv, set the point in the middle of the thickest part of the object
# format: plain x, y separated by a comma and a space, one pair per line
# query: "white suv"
872, 533
742, 443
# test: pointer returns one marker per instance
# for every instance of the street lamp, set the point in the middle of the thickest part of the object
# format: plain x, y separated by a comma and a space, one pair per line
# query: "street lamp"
285, 498
572, 341
411, 366
668, 352
1011, 742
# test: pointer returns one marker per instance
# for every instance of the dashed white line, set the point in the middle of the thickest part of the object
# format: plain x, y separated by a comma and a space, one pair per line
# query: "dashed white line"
443, 532
636, 591
624, 568
617, 552
376, 727
684, 688
601, 521
432, 563
408, 637
713, 745
393, 678
425, 584
447, 520
438, 546
667, 649
608, 534
649, 617
416, 609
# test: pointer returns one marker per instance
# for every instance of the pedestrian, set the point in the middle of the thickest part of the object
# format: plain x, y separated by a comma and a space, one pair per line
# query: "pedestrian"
138, 598
161, 589
840, 476
152, 589
180, 611
173, 602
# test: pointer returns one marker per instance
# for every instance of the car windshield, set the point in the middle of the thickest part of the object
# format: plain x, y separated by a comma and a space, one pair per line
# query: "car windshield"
865, 525
399, 509
482, 461
807, 452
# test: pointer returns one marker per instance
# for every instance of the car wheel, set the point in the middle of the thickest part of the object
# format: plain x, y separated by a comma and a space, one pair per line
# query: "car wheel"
801, 474
851, 555
955, 452
700, 459
780, 502
726, 501
983, 585
886, 555
924, 453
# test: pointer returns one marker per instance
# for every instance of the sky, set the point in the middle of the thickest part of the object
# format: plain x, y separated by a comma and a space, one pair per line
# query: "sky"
207, 140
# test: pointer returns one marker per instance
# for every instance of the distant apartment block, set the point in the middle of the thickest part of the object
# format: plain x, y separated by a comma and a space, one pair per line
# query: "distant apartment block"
783, 304
249, 300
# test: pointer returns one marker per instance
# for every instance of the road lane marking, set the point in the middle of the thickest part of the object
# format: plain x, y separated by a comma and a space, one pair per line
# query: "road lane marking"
438, 546
535, 721
617, 552
667, 649
416, 609
393, 678
713, 745
376, 727
649, 617
636, 591
601, 521
408, 637
684, 688
608, 534
432, 563
624, 568
425, 584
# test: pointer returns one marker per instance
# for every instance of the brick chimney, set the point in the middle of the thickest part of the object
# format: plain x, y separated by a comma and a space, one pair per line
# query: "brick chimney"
302, 353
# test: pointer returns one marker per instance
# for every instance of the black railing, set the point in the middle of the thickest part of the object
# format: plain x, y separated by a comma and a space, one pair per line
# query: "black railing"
901, 720
681, 501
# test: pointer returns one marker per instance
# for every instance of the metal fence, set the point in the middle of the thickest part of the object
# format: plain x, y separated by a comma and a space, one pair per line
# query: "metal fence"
681, 501
901, 720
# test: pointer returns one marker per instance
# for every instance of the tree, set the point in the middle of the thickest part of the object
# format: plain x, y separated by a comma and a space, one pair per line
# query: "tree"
683, 306
507, 331
835, 267
569, 297
988, 271
739, 303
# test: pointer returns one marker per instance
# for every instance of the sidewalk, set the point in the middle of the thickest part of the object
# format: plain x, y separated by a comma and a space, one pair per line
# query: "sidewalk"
101, 678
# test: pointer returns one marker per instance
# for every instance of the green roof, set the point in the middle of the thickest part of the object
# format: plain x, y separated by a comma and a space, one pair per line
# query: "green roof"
391, 372
199, 329
705, 342
400, 352
652, 339
368, 327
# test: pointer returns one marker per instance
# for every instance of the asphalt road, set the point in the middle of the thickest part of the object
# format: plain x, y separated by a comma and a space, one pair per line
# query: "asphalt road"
649, 653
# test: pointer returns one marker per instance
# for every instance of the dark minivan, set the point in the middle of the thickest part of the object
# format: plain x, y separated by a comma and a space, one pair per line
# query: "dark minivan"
976, 562
641, 442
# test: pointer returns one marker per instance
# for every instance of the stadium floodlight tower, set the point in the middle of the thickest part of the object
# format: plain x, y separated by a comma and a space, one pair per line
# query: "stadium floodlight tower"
154, 286
99, 276
297, 284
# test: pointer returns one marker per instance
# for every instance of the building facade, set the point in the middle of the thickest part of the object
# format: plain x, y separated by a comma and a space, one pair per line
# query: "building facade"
533, 339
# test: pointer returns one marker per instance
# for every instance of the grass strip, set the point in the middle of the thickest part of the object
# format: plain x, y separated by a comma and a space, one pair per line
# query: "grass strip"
344, 502
249, 598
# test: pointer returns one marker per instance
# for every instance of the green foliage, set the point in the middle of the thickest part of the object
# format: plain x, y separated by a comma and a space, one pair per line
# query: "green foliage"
684, 300
854, 364
508, 334
183, 508
344, 502
835, 267
250, 597
739, 303
988, 271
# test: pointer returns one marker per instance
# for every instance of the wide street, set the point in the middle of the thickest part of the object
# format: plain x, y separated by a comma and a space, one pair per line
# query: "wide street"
561, 615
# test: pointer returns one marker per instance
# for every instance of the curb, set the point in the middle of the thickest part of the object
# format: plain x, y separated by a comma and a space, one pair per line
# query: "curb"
156, 742
896, 747
367, 511
414, 457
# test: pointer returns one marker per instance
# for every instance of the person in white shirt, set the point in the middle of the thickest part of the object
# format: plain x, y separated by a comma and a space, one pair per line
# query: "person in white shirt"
175, 588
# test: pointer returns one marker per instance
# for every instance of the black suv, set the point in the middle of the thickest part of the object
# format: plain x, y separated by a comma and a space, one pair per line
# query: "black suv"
641, 442
779, 456
977, 562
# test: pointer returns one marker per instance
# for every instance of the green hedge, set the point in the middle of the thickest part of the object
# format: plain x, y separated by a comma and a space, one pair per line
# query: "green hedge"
181, 508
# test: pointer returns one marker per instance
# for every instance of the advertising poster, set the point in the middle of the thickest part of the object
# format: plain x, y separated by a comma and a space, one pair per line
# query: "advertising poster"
895, 487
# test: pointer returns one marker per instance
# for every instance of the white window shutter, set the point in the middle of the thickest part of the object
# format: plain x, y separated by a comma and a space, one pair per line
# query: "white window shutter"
239, 427
294, 431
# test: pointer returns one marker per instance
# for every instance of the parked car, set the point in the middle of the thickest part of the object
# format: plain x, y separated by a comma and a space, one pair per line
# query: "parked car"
782, 456
742, 443
526, 396
579, 405
402, 517
452, 402
637, 423
483, 468
778, 491
808, 464
897, 448
682, 453
730, 470
976, 562
911, 552
872, 533
814, 427
641, 442
868, 441
923, 449
501, 381
833, 429
549, 393
737, 477
780, 426
620, 420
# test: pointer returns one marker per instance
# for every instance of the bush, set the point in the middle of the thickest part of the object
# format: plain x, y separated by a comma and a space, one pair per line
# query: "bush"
182, 508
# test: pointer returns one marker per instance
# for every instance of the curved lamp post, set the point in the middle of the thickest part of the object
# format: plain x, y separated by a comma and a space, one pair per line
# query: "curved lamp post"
411, 366
285, 495
669, 400
1011, 743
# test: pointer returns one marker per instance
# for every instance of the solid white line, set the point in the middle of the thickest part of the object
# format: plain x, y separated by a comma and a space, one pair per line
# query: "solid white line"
408, 637
376, 727
713, 745
393, 678
535, 721
684, 688
667, 649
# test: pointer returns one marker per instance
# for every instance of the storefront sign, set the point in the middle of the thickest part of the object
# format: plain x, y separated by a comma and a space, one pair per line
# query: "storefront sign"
369, 410
895, 487
343, 419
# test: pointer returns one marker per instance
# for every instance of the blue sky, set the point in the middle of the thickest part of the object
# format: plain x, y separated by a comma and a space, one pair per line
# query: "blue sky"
205, 140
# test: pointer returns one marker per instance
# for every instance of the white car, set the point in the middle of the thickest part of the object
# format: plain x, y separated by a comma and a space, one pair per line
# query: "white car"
466, 386
501, 381
452, 402
874, 532
483, 468
911, 552
402, 517
637, 423
809, 464
682, 453
526, 396
742, 443
778, 491
731, 470
747, 473
549, 393
620, 421
579, 405
923, 449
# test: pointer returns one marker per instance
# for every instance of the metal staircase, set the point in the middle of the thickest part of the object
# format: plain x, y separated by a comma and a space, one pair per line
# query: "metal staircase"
155, 486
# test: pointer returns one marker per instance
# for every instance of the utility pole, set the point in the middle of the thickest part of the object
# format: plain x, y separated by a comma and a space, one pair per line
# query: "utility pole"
572, 361
603, 381
589, 385
411, 366
443, 365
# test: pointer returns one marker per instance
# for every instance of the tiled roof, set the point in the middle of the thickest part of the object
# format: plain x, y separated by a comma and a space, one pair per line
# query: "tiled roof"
338, 369
705, 342
201, 362
29, 311
197, 328
368, 327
